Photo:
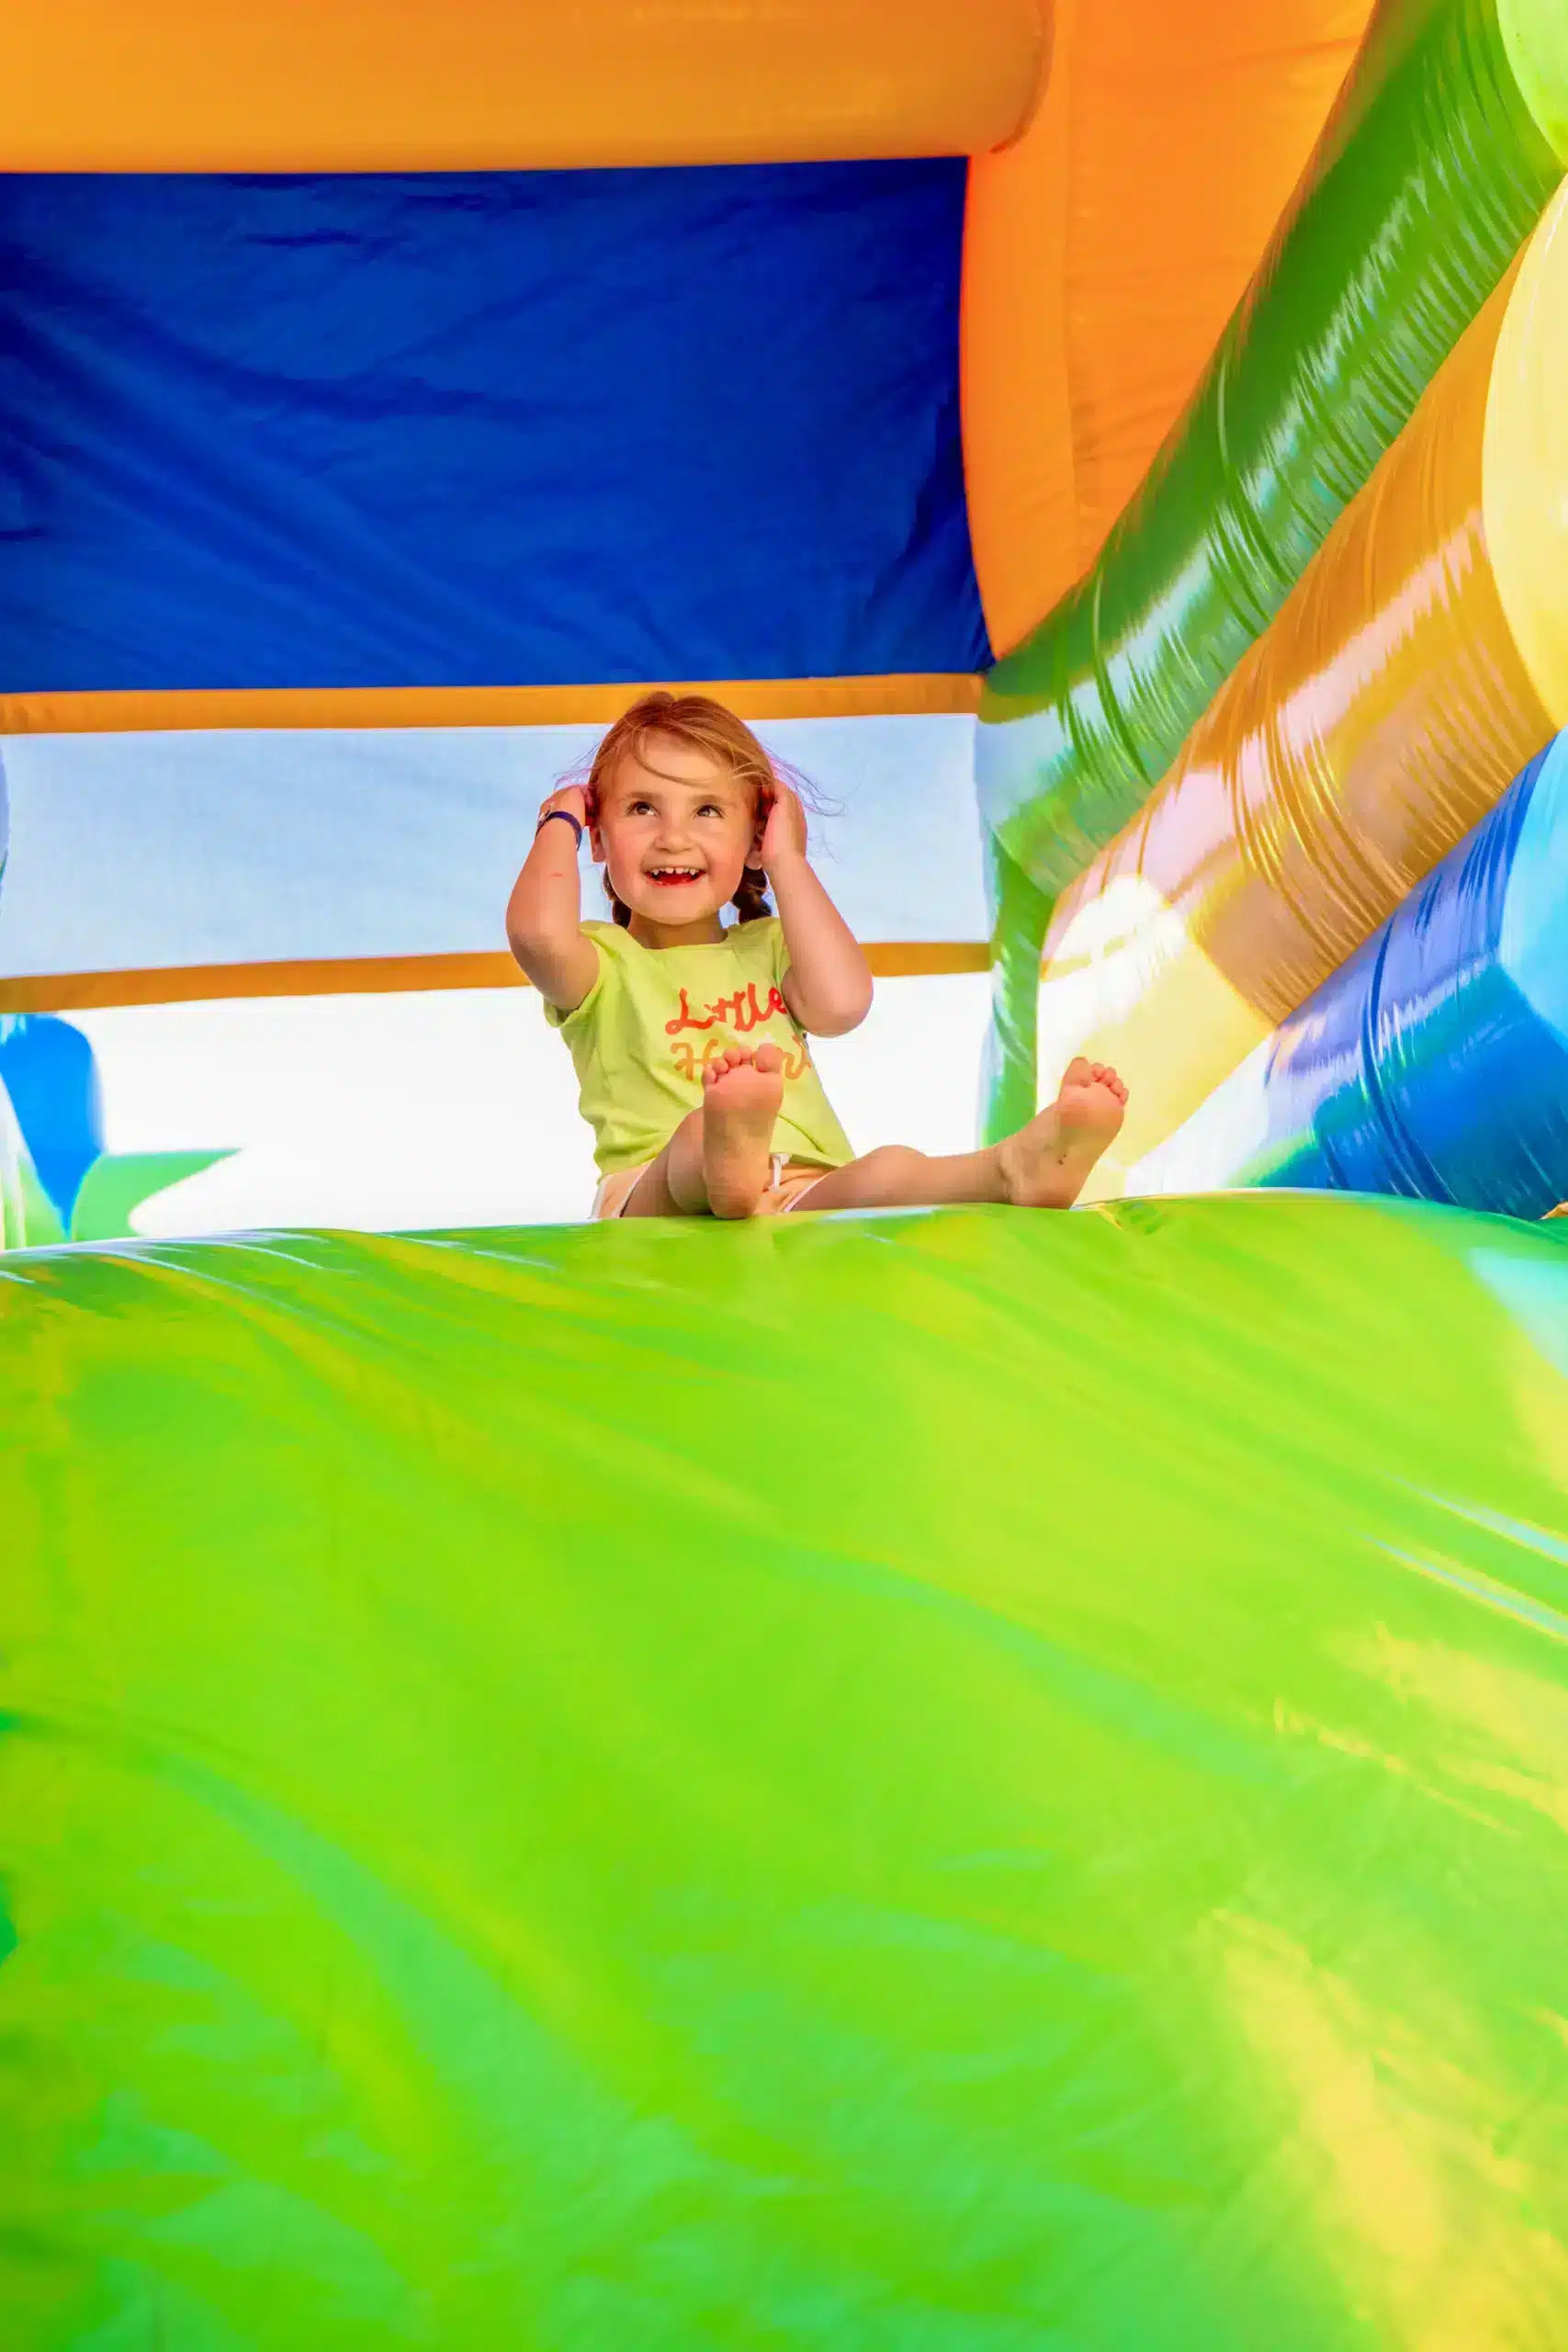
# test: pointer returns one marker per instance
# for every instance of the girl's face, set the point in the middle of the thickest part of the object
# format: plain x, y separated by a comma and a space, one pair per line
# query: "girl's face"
675, 830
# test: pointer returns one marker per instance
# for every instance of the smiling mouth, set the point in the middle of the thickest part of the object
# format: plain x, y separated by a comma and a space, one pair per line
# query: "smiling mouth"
671, 876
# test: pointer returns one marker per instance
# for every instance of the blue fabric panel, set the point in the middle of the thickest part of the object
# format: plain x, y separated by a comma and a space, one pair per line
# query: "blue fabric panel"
533, 428
1434, 1062
49, 1070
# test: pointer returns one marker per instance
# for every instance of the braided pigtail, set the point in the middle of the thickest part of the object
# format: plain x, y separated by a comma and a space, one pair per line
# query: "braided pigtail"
618, 906
751, 901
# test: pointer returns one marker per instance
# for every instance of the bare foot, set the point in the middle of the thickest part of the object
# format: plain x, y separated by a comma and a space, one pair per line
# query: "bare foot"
1047, 1163
741, 1094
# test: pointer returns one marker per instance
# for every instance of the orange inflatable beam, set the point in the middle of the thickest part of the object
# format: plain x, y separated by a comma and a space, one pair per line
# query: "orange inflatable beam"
1104, 252
359, 86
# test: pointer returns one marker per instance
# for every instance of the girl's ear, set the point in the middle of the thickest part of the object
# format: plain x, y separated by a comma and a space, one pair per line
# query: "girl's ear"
595, 842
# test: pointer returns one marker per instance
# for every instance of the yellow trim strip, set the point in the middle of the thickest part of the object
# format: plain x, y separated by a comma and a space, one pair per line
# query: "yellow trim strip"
253, 706
380, 975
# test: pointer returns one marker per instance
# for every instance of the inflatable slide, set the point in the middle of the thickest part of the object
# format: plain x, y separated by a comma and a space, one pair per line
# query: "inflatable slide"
962, 1779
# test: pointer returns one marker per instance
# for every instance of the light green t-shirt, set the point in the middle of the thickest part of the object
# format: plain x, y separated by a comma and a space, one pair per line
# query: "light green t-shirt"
655, 1015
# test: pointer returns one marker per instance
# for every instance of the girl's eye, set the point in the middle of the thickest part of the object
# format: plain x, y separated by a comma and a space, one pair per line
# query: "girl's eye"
710, 809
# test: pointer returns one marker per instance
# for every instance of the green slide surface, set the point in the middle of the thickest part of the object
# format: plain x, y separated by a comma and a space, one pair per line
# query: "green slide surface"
919, 1783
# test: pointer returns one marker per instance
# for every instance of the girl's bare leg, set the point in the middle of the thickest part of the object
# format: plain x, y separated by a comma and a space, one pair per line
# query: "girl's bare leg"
719, 1160
1045, 1165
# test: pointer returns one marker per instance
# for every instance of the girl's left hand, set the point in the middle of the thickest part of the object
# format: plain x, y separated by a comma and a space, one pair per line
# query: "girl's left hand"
783, 835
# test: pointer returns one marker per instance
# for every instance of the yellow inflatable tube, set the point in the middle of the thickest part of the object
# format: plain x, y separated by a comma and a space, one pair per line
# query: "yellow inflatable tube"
1421, 661
360, 86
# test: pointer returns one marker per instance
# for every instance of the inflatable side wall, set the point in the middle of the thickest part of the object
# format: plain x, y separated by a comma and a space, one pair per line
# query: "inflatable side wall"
1448, 142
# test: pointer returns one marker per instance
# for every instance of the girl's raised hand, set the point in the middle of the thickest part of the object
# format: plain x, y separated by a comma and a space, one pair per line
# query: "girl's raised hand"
570, 799
783, 835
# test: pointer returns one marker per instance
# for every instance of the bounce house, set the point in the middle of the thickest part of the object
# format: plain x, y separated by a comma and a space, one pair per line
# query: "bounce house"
942, 1781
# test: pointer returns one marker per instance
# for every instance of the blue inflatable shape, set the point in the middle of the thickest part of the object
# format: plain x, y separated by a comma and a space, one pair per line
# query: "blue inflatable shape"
49, 1070
1435, 1062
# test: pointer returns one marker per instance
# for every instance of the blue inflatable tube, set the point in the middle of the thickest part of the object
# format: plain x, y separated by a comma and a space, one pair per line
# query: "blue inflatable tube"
1435, 1062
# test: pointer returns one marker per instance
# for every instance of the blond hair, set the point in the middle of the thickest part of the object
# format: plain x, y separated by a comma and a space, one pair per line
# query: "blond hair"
698, 724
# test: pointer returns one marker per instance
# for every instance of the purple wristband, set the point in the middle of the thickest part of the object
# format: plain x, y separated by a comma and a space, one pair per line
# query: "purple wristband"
567, 818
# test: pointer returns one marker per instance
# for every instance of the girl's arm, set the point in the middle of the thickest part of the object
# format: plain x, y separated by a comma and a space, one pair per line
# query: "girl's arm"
828, 985
545, 911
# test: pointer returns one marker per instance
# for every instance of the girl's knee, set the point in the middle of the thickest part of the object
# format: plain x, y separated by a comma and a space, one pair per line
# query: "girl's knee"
685, 1149
895, 1176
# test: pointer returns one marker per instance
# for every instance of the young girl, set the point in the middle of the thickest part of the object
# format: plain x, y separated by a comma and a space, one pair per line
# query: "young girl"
689, 1039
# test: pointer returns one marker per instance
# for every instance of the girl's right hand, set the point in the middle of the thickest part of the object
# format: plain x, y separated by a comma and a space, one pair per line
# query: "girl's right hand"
571, 800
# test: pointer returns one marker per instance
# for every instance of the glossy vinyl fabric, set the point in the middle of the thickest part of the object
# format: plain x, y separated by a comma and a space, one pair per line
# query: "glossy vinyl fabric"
1104, 251
966, 1780
1020, 912
1434, 1062
1381, 717
1448, 139
1431, 172
343, 86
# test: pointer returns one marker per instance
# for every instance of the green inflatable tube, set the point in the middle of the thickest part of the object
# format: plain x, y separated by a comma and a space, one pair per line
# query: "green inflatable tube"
963, 1781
